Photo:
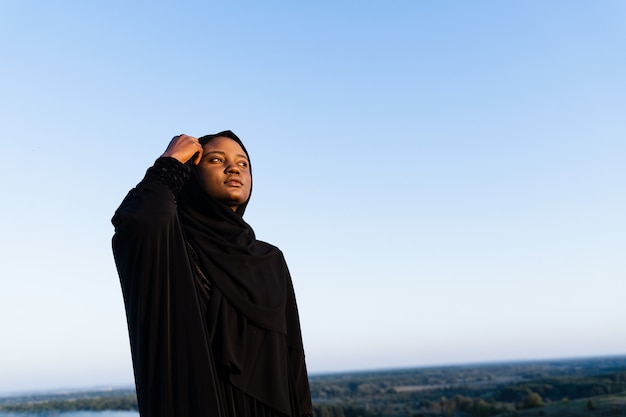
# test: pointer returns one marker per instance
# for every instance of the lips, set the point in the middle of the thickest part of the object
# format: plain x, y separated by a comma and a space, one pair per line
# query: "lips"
235, 182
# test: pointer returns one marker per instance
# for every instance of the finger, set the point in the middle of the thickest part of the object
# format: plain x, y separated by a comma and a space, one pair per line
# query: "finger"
197, 157
173, 141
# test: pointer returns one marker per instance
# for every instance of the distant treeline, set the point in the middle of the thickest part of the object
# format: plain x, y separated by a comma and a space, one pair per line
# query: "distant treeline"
565, 387
126, 402
481, 390
468, 391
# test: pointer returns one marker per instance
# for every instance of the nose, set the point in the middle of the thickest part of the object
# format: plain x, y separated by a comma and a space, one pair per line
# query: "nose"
232, 168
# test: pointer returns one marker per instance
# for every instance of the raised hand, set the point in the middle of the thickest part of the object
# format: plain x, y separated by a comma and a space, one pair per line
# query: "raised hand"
184, 148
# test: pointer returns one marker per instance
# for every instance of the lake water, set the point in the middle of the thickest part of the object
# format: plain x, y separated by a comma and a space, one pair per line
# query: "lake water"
76, 414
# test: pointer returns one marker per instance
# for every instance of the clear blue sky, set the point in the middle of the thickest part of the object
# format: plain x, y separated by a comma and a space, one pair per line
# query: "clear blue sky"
446, 178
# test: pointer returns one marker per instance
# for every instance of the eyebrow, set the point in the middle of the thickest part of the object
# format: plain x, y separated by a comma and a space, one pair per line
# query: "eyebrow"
224, 153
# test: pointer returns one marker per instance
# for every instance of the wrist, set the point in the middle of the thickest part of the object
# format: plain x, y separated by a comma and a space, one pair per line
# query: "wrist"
169, 171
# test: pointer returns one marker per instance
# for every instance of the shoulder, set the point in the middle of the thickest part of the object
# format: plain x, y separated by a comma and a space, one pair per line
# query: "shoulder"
268, 246
269, 249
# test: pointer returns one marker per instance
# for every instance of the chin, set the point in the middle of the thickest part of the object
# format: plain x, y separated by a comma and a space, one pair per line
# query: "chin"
231, 202
237, 198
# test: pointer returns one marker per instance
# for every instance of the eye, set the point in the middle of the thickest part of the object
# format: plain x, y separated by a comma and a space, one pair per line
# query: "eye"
216, 159
243, 164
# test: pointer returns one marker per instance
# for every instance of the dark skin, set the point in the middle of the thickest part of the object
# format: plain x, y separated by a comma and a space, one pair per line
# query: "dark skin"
223, 167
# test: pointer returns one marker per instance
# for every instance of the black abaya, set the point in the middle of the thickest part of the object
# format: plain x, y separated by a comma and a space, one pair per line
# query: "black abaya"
212, 317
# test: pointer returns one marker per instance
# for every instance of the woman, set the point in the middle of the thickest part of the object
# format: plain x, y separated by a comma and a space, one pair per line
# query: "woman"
211, 312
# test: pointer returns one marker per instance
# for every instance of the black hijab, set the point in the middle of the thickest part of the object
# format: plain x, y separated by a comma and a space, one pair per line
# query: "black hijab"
229, 134
251, 314
249, 273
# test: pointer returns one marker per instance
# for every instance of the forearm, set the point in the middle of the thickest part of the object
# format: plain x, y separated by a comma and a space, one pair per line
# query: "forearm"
146, 219
153, 201
170, 172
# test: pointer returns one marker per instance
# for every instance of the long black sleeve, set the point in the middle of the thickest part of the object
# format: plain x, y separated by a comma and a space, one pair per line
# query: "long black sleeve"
165, 326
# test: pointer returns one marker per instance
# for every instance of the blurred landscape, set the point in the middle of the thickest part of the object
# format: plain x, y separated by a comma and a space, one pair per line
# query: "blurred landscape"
572, 387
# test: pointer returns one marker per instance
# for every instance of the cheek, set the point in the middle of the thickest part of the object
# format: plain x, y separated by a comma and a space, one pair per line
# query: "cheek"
207, 175
249, 183
207, 180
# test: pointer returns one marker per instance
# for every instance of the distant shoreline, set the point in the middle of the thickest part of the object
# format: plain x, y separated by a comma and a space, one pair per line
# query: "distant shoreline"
313, 375
561, 385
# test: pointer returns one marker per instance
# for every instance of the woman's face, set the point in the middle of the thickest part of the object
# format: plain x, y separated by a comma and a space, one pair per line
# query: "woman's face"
224, 172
